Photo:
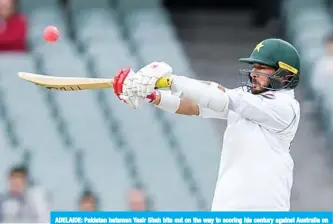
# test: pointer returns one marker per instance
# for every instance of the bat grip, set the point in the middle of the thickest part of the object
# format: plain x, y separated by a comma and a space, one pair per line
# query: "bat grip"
164, 82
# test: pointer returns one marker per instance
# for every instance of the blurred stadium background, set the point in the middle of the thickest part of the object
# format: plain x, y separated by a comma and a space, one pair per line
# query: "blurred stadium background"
78, 141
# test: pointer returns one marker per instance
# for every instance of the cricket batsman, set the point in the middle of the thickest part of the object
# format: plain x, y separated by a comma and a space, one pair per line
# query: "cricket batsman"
256, 168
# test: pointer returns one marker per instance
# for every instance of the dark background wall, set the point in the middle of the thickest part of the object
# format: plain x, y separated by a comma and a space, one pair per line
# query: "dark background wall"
263, 9
209, 3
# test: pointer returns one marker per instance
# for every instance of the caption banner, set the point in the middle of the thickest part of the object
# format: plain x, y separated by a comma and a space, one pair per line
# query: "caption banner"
193, 217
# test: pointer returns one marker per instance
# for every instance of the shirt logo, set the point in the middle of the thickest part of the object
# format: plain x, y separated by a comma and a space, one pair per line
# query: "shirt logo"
154, 65
269, 95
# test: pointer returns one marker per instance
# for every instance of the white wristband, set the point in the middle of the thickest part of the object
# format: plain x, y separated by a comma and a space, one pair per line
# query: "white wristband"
168, 102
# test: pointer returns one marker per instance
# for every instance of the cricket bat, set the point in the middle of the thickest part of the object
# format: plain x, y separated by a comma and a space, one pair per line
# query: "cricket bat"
78, 83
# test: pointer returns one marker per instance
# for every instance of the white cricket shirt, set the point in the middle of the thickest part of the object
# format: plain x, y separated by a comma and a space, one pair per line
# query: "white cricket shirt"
256, 168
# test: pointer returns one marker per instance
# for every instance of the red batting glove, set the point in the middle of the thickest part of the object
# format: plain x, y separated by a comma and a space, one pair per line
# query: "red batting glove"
118, 82
119, 79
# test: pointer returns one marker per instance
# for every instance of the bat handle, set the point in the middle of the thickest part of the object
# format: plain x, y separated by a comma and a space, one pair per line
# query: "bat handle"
164, 82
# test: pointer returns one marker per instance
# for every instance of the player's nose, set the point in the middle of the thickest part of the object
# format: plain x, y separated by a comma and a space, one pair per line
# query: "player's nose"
253, 75
254, 72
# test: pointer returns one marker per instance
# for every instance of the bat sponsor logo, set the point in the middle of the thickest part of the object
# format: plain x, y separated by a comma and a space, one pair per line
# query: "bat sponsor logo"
63, 88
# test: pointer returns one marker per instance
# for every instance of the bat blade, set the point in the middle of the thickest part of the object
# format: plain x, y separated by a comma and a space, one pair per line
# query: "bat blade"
66, 83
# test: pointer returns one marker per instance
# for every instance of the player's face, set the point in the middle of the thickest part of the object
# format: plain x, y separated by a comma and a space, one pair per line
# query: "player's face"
260, 80
17, 182
88, 204
329, 47
6, 8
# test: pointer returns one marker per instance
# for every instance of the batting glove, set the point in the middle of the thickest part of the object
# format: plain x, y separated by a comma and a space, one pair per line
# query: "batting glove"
147, 76
124, 88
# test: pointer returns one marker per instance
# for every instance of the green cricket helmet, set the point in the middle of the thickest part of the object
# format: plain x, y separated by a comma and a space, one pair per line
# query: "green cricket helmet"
280, 55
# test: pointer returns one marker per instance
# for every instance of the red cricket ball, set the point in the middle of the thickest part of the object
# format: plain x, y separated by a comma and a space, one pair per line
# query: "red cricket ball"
51, 34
